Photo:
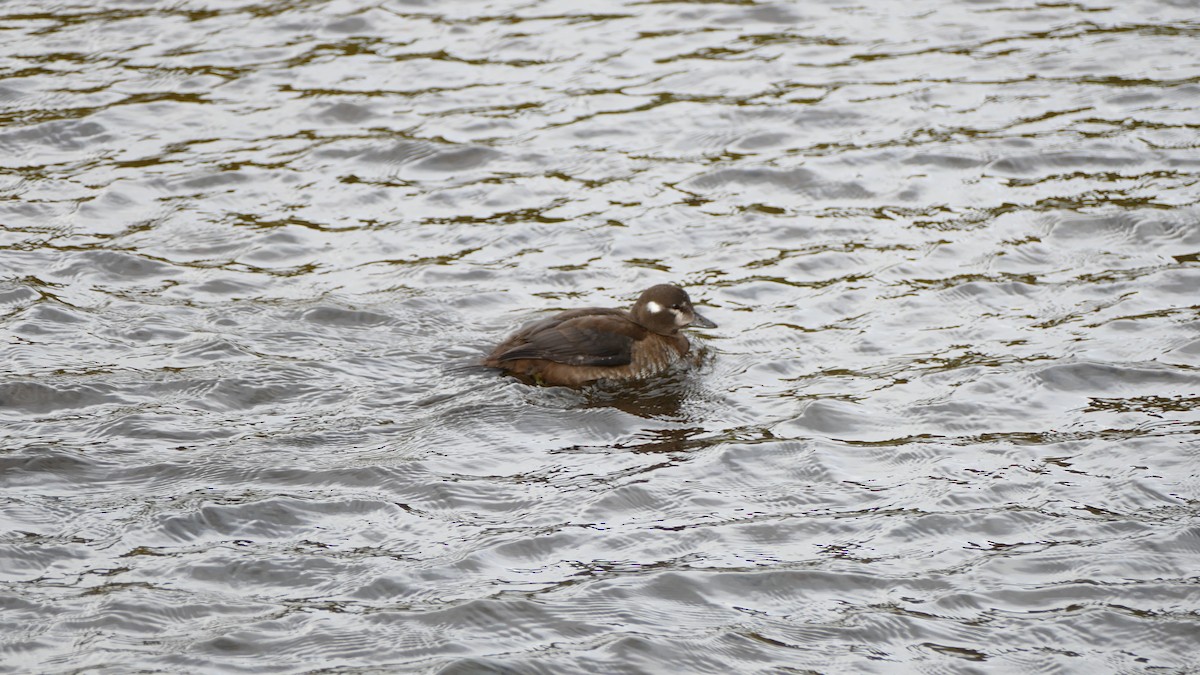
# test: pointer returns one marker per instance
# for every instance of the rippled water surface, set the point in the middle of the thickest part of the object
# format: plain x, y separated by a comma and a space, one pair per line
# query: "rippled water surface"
251, 252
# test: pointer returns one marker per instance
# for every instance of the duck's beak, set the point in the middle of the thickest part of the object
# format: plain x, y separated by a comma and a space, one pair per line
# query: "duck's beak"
698, 321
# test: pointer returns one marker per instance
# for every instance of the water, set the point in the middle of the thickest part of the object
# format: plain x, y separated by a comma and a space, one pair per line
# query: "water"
250, 253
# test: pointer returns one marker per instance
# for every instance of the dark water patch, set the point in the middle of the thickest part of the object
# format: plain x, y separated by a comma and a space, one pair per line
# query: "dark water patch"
229, 286
214, 180
162, 428
345, 112
843, 419
350, 24
761, 141
209, 349
26, 562
796, 181
242, 394
1058, 161
35, 397
334, 316
294, 576
258, 519
47, 319
67, 135
944, 161
150, 331
420, 154
457, 160
1099, 377
1188, 353
113, 267
1140, 228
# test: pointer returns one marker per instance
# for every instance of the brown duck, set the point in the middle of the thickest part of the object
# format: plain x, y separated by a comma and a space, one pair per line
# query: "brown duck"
598, 343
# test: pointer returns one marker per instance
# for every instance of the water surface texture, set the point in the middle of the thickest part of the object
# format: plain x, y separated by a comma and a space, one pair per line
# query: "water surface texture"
250, 252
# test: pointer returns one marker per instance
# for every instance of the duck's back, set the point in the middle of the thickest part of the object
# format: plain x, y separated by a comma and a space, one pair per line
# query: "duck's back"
584, 345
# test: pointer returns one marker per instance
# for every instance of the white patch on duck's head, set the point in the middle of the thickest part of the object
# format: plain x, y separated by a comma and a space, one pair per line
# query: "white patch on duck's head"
681, 319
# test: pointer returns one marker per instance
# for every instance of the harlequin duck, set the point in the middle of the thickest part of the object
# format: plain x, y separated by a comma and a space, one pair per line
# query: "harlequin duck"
597, 343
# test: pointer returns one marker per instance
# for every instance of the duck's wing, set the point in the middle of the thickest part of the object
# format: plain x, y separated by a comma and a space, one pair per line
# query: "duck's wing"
580, 341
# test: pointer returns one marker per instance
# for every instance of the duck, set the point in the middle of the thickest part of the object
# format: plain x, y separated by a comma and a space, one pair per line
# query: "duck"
581, 346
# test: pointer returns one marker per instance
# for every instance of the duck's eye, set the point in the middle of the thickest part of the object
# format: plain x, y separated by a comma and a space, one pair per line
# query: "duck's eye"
676, 306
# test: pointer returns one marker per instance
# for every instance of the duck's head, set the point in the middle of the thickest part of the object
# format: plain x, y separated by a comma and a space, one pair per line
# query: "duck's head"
664, 309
